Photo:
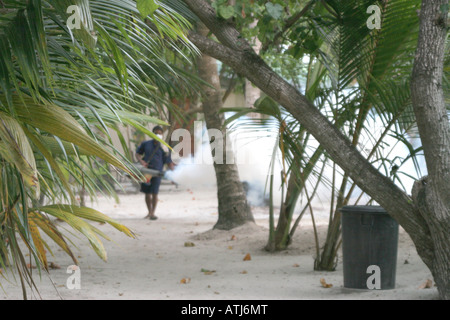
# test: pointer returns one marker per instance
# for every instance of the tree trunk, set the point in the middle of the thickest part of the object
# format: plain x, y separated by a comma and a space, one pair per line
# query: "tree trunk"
233, 206
426, 219
281, 238
431, 195
327, 260
252, 93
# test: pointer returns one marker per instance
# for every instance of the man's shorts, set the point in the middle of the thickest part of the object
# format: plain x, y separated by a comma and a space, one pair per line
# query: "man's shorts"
152, 187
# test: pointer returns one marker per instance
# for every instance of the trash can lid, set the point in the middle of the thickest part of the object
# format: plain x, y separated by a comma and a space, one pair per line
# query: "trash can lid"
363, 209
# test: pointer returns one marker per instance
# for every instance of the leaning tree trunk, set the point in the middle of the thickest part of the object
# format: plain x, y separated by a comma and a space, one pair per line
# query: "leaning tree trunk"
281, 235
426, 219
233, 206
252, 93
431, 195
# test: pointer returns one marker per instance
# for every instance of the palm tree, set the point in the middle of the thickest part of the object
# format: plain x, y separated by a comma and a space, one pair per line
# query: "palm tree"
351, 80
61, 90
233, 207
380, 61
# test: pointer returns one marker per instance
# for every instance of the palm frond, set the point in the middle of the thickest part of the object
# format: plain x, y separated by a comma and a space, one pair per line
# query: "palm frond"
62, 88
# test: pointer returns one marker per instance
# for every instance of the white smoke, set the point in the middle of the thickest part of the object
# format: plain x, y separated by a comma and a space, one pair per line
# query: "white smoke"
252, 155
253, 151
192, 174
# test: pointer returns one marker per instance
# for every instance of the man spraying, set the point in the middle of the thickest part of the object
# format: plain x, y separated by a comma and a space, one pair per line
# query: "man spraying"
151, 155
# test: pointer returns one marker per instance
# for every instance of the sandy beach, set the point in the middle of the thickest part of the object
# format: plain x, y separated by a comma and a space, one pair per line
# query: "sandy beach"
180, 257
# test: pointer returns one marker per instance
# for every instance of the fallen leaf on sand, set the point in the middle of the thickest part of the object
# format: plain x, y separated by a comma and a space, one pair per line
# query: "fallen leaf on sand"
185, 280
54, 266
207, 272
189, 244
233, 237
324, 284
247, 257
243, 272
230, 247
426, 285
296, 265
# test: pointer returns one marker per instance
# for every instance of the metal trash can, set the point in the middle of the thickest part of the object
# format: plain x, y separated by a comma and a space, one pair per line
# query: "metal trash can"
369, 247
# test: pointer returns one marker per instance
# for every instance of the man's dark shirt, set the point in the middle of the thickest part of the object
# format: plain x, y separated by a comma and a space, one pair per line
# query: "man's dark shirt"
155, 159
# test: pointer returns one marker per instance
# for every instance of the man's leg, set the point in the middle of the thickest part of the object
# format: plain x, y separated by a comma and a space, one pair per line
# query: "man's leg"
154, 203
149, 203
151, 199
154, 190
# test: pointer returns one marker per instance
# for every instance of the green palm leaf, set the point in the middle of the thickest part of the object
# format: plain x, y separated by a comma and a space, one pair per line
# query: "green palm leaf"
15, 148
80, 225
61, 90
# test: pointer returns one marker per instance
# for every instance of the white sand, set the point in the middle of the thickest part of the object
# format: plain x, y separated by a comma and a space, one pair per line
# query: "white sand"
153, 266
